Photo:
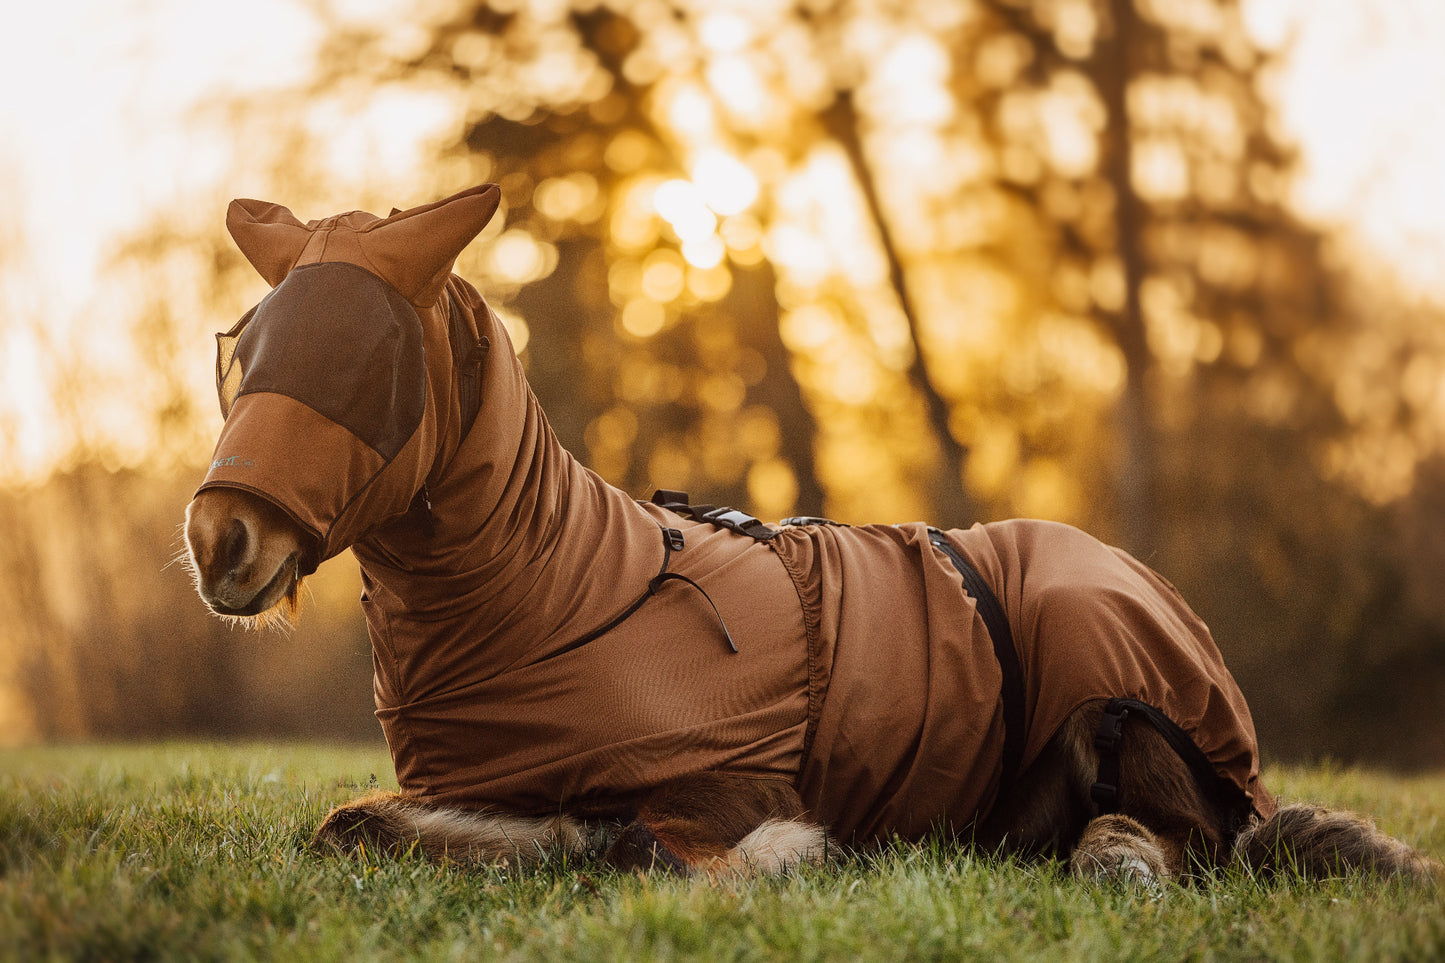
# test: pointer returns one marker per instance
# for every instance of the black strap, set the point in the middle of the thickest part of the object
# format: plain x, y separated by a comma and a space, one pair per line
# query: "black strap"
1224, 795
672, 541
420, 509
723, 517
657, 582
1105, 790
1003, 649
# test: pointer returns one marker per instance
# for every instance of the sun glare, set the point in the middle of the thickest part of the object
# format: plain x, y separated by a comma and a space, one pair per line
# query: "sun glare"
682, 205
728, 185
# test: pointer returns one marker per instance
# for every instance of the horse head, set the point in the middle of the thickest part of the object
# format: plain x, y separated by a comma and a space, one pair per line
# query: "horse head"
336, 389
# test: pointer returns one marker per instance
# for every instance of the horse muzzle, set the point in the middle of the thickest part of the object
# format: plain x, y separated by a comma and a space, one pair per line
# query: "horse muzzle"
246, 554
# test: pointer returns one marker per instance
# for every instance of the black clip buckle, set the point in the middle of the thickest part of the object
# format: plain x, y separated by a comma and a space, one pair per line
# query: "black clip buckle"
728, 517
1111, 729
1104, 796
674, 539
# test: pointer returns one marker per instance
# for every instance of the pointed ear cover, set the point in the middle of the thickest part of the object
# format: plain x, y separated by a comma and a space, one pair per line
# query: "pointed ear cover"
415, 250
269, 235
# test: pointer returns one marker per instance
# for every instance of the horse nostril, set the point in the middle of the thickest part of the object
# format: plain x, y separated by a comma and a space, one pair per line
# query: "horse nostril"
234, 546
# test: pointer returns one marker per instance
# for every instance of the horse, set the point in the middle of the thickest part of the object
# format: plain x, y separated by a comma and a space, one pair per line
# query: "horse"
682, 687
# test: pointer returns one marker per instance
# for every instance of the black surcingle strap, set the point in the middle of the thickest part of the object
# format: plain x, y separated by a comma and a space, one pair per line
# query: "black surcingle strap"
724, 517
1002, 637
1105, 790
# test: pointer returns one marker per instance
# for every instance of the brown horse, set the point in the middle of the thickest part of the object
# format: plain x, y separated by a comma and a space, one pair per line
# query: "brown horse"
552, 656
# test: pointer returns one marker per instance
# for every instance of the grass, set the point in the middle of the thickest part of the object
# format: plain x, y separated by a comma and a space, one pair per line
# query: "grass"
196, 852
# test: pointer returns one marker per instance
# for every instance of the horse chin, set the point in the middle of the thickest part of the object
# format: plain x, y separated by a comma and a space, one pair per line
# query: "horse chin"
277, 606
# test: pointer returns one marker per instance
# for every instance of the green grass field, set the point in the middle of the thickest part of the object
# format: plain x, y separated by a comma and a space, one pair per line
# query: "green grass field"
196, 852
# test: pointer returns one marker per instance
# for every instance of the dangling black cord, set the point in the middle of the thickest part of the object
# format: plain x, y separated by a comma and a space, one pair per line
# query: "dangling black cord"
665, 576
671, 541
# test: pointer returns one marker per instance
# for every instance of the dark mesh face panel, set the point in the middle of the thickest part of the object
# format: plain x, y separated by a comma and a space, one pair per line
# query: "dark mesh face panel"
228, 370
338, 339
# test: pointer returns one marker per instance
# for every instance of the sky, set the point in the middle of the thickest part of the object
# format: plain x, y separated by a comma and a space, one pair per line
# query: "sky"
1360, 92
95, 132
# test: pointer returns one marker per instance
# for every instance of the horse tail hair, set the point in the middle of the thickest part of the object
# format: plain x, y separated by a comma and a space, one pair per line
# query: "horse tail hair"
1319, 843
390, 823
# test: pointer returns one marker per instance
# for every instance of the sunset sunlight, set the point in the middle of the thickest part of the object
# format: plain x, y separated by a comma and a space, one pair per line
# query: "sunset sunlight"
722, 479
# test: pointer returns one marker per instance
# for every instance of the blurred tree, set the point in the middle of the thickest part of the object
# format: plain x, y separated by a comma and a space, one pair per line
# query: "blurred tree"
1129, 194
963, 259
1161, 195
654, 356
1052, 235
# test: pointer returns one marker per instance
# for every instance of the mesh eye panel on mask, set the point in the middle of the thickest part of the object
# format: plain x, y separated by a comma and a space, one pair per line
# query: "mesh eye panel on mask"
228, 369
341, 341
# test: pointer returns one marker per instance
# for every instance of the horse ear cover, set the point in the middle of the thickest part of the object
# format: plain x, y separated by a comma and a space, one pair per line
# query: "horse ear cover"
269, 235
412, 250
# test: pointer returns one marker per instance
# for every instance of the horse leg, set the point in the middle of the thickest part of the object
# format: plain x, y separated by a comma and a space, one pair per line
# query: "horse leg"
387, 822
1163, 817
1320, 843
1048, 806
720, 824
1165, 823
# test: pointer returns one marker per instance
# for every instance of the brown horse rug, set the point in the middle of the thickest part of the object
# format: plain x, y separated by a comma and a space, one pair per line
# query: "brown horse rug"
543, 640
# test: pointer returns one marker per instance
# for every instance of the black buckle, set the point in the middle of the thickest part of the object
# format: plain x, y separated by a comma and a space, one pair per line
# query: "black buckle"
1104, 796
808, 520
674, 539
1111, 728
729, 517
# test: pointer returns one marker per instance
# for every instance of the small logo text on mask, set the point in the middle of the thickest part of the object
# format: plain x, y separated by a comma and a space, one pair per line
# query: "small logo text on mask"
233, 461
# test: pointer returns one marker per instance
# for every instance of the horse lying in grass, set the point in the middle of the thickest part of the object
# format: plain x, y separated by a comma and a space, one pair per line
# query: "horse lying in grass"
552, 655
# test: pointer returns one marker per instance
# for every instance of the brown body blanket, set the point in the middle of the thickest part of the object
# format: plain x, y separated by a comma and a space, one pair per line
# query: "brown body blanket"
863, 674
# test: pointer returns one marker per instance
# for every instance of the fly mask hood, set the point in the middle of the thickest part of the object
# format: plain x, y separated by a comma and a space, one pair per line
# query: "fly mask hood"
336, 385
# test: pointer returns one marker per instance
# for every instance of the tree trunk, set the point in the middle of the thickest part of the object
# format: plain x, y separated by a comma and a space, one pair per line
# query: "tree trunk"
1137, 471
950, 503
753, 301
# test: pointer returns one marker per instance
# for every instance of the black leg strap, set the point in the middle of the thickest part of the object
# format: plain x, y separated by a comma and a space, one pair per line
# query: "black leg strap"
1105, 791
1003, 649
1226, 798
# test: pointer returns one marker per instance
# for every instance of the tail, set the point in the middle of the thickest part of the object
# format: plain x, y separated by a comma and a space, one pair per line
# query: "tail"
388, 822
1319, 843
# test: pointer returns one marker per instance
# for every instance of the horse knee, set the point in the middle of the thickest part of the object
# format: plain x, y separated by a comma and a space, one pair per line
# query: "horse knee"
637, 847
1118, 847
